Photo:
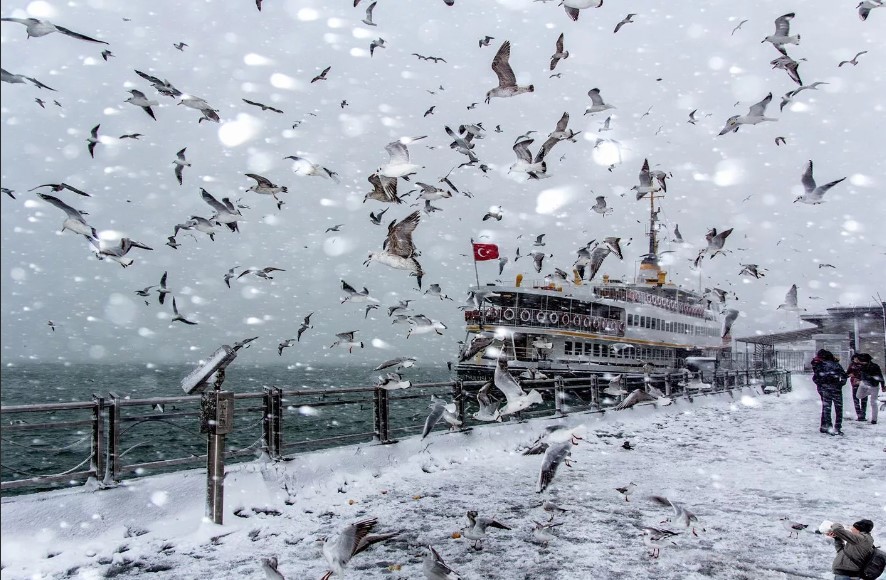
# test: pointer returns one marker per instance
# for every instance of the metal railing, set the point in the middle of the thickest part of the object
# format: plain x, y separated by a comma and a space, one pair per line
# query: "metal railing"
278, 422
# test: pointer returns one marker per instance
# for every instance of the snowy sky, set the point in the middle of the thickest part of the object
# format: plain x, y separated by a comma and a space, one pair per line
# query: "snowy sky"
740, 464
669, 61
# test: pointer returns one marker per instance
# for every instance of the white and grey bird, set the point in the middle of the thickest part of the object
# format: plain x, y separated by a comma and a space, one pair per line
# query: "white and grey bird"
402, 307
488, 410
262, 106
728, 321
139, 99
269, 567
782, 34
752, 270
507, 80
398, 164
559, 53
352, 540
37, 28
680, 515
261, 272
93, 140
377, 43
209, 114
384, 189
304, 326
440, 410
538, 259
853, 61
627, 491
285, 344
573, 6
597, 104
502, 261
615, 388
264, 186
163, 87
346, 340
494, 213
647, 185
479, 343
655, 538
163, 290
421, 324
636, 396
180, 163
392, 381
436, 291
375, 218
556, 454
560, 132
303, 167
61, 187
756, 114
74, 222
352, 295
432, 192
177, 315
398, 250
716, 240
625, 20
788, 65
225, 211
478, 525
435, 568
8, 77
118, 252
399, 362
600, 206
865, 6
813, 193
517, 399
793, 528
541, 532
594, 259
678, 237
790, 300
368, 20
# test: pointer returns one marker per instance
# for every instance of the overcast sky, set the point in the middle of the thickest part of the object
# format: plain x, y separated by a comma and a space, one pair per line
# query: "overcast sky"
670, 60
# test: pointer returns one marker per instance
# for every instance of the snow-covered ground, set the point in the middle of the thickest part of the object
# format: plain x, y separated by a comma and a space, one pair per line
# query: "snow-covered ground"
739, 462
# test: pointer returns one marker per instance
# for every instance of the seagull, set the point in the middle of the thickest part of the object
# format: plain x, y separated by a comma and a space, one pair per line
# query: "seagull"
230, 275
790, 300
518, 400
377, 43
477, 526
692, 118
507, 81
782, 34
51, 325
793, 528
756, 114
304, 326
398, 165
180, 163
524, 163
573, 6
40, 102
376, 218
627, 446
352, 540
264, 186
399, 362
93, 140
346, 340
302, 166
269, 565
677, 237
8, 77
163, 87
209, 114
627, 490
501, 264
853, 61
488, 410
560, 53
118, 252
625, 20
478, 343
131, 136
646, 183
262, 106
864, 8
225, 211
163, 290
559, 133
368, 20
145, 291
436, 569
555, 454
485, 41
38, 28
178, 317
402, 307
655, 537
435, 290
600, 206
421, 324
440, 410
322, 75
540, 533
493, 213
716, 241
392, 382
737, 28
180, 46
681, 515
261, 272
74, 222
354, 296
790, 66
597, 103
398, 250
752, 270
636, 396
814, 194
591, 260
285, 344
384, 189
61, 187
201, 224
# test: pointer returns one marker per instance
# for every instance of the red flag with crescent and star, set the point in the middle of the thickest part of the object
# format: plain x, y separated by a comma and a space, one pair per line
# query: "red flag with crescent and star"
484, 252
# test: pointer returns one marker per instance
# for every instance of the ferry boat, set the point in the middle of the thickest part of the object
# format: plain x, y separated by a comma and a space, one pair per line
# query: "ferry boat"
579, 328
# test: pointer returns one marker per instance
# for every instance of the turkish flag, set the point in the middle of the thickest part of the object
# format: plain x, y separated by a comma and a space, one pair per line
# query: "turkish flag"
485, 252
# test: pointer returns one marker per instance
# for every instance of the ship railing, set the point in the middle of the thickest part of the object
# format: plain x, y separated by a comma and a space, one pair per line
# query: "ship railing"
112, 438
545, 319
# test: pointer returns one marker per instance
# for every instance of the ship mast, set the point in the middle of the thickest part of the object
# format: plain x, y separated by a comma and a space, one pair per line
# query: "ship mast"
650, 271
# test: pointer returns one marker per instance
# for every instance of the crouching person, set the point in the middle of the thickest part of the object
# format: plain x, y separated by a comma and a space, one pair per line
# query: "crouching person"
854, 546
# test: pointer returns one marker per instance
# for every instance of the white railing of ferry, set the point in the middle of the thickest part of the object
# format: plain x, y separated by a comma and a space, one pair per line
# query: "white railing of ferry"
549, 319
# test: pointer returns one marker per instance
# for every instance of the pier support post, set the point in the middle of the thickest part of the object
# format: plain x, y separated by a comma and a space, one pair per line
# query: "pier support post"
112, 467
380, 411
272, 424
458, 395
97, 452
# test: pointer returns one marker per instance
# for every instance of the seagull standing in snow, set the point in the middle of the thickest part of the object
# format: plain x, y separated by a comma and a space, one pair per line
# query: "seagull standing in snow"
654, 538
627, 490
435, 568
793, 528
813, 194
507, 80
477, 526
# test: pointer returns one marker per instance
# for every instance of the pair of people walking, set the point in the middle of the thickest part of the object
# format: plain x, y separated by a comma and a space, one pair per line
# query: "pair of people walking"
829, 378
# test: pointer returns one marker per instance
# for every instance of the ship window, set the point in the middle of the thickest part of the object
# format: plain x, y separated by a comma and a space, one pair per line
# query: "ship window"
648, 322
658, 322
568, 348
630, 320
668, 326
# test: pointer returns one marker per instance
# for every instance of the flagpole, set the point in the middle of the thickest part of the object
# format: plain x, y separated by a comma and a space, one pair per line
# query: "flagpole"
474, 258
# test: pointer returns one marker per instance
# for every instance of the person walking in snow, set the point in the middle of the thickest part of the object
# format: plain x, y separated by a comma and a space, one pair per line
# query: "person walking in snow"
866, 379
829, 377
854, 546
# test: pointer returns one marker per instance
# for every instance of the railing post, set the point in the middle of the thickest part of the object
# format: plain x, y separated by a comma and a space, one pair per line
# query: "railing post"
216, 420
595, 392
558, 396
271, 423
668, 385
459, 398
380, 411
277, 424
112, 467
97, 453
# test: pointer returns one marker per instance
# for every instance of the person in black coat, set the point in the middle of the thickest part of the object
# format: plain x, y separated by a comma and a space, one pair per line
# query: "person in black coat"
865, 374
829, 377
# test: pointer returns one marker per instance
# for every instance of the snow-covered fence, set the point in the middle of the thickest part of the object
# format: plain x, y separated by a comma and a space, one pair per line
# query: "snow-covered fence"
278, 422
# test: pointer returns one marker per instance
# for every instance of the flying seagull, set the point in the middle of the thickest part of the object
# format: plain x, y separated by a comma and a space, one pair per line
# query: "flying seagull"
782, 34
559, 54
93, 140
853, 61
790, 66
790, 300
681, 515
261, 272
368, 20
625, 20
180, 163
38, 28
756, 114
485, 41
507, 81
8, 77
384, 189
518, 400
435, 568
597, 103
398, 250
304, 326
352, 540
573, 6
61, 187
322, 75
302, 166
264, 186
178, 317
865, 7
813, 194
555, 454
262, 106
74, 222
346, 340
398, 164
118, 252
